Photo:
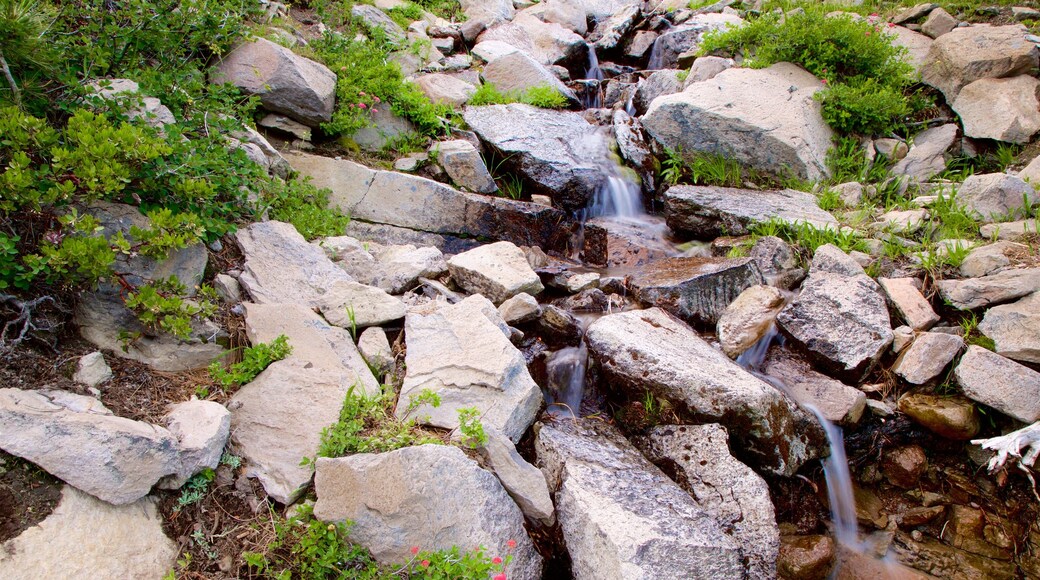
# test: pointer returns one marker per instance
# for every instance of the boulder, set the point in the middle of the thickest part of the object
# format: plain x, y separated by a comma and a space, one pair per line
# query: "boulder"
87, 538
967, 54
996, 195
925, 158
498, 271
706, 212
1001, 383
836, 401
927, 357
950, 417
747, 319
842, 321
991, 258
202, 429
686, 38
1003, 286
751, 116
917, 45
524, 482
833, 260
519, 309
373, 18
658, 84
462, 353
464, 165
76, 439
92, 370
387, 499
905, 297
605, 490
351, 305
489, 12
697, 290
938, 23
1015, 328
612, 30
733, 495
442, 88
1000, 109
516, 73
621, 243
570, 15
286, 83
648, 350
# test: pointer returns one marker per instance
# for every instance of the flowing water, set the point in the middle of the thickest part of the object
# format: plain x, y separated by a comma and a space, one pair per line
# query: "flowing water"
566, 386
592, 84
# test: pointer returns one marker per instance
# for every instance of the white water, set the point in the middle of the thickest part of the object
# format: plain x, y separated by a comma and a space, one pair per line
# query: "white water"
619, 198
566, 372
592, 96
593, 72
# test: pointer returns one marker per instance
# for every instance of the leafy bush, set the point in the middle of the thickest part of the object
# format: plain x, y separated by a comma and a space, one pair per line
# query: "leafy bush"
162, 305
864, 108
544, 96
254, 360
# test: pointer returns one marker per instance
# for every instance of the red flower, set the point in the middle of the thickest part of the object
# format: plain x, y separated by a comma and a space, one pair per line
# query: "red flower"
362, 105
511, 544
415, 550
501, 576
891, 24
496, 560
425, 563
824, 81
868, 32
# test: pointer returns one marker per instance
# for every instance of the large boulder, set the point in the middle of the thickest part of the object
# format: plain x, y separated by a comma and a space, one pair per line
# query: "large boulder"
517, 72
706, 212
621, 517
1015, 328
498, 271
430, 496
286, 83
697, 290
548, 43
1001, 109
916, 44
1003, 286
687, 37
967, 54
766, 119
490, 12
649, 350
1005, 385
443, 88
993, 196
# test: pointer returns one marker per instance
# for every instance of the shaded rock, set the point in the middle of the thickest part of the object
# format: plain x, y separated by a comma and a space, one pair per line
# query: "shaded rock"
658, 84
707, 212
916, 44
76, 439
498, 271
87, 538
697, 290
375, 349
228, 289
649, 350
1015, 328
986, 260
524, 482
351, 305
1003, 384
609, 242
938, 23
687, 37
202, 429
126, 91
1003, 286
925, 158
747, 318
559, 327
611, 31
950, 417
374, 18
286, 125
751, 116
635, 148
640, 43
905, 297
977, 52
894, 149
462, 353
838, 402
463, 163
928, 357
831, 259
1009, 230
805, 557
442, 88
904, 466
605, 489
286, 83
386, 497
995, 195
92, 370
517, 73
385, 127
1001, 109
519, 309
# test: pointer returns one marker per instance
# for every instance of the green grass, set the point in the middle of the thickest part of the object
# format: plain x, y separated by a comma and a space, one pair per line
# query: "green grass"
543, 96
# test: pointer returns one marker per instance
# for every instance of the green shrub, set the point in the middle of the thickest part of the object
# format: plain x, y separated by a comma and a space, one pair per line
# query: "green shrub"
864, 108
163, 305
255, 359
543, 96
487, 94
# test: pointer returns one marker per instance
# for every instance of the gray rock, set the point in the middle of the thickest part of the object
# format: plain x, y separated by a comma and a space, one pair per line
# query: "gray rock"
87, 538
635, 148
658, 84
1003, 384
611, 242
489, 50
925, 158
611, 31
286, 83
375, 349
442, 88
396, 269
76, 439
92, 370
990, 258
490, 12
894, 149
260, 150
687, 37
842, 321
546, 43
202, 429
641, 42
228, 288
928, 357
605, 489
570, 15
831, 259
387, 498
1000, 109
151, 109
902, 336
838, 402
465, 166
914, 13
286, 125
524, 482
1015, 328
938, 23
751, 116
730, 492
777, 262
385, 127
697, 290
748, 318
649, 350
977, 52
1003, 286
1016, 230
351, 305
707, 212
903, 222
996, 195
373, 18
519, 309
499, 271
706, 68
905, 296
917, 45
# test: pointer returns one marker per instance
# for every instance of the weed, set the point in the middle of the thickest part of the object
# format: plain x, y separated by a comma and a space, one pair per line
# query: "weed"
544, 96
254, 360
353, 322
471, 429
487, 94
808, 236
195, 489
970, 332
950, 219
673, 167
830, 200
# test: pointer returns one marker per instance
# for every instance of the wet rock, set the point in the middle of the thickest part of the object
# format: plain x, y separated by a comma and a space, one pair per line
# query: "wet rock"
519, 309
659, 83
697, 290
87, 538
831, 259
990, 258
498, 271
751, 116
706, 212
979, 532
559, 327
1003, 384
733, 495
928, 357
687, 37
805, 557
950, 417
1015, 328
838, 402
386, 497
524, 482
993, 289
617, 243
640, 43
375, 349
995, 195
286, 83
925, 158
461, 160
905, 297
442, 88
904, 466
748, 318
841, 320
944, 561
649, 350
604, 489
777, 262
462, 353
351, 305
202, 429
517, 73
977, 52
1001, 109
76, 439
634, 148
92, 370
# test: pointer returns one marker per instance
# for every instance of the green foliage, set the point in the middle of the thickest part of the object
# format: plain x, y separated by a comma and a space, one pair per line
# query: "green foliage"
471, 428
306, 207
972, 335
544, 96
809, 237
673, 166
195, 489
254, 360
703, 169
487, 94
829, 200
168, 232
864, 108
163, 305
949, 219
405, 14
23, 49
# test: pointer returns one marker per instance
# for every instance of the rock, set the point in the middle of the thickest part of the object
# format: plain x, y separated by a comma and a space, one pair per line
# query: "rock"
489, 12
950, 417
907, 221
902, 336
202, 429
498, 271
838, 402
904, 466
92, 370
894, 149
396, 269
917, 45
641, 42
558, 153
76, 439
87, 538
687, 37
559, 327
465, 166
697, 290
442, 88
1003, 286
375, 349
914, 13
1001, 109
706, 68
967, 54
991, 258
928, 357
616, 243
995, 195
260, 150
831, 259
611, 31
524, 482
286, 83
605, 489
410, 163
938, 23
462, 353
777, 262
372, 18
351, 305
905, 297
387, 498
228, 288
286, 125
747, 318
1005, 385
544, 42
751, 116
384, 129
658, 84
925, 158
650, 351
489, 50
733, 495
519, 309
151, 109
516, 73
1015, 328
1009, 230
805, 557
706, 212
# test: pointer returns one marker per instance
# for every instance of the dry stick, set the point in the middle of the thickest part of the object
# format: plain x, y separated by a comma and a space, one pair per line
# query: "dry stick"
16, 93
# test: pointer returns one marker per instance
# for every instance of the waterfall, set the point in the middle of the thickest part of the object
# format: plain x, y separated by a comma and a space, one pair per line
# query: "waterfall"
617, 197
566, 386
593, 71
592, 94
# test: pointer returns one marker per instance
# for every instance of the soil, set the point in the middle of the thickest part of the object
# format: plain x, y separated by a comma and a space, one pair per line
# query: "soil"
28, 494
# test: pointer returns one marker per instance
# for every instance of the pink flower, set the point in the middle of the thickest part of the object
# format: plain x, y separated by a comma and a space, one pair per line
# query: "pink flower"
868, 33
824, 81
425, 563
375, 98
511, 544
496, 560
374, 111
501, 576
415, 550
362, 105
362, 93
891, 24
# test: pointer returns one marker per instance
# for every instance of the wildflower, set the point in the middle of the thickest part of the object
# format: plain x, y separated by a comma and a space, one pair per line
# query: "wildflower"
501, 576
824, 81
362, 93
868, 32
375, 98
891, 24
425, 563
496, 560
362, 105
511, 544
415, 550
374, 111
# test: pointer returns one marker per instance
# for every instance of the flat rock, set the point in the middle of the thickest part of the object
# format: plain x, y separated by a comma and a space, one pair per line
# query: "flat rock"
697, 290
443, 88
650, 350
925, 158
1003, 286
905, 297
838, 402
1015, 230
967, 54
524, 482
489, 50
353, 305
748, 318
76, 439
1001, 109
612, 242
991, 258
706, 212
927, 357
519, 309
1001, 383
1015, 328
202, 429
951, 417
996, 195
87, 538
498, 271
517, 72
621, 517
464, 165
387, 498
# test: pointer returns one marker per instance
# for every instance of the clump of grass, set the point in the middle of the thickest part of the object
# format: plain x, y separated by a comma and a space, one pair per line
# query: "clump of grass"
809, 237
543, 96
704, 169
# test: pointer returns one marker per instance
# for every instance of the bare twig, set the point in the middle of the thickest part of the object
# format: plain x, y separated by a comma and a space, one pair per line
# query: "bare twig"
1011, 446
17, 329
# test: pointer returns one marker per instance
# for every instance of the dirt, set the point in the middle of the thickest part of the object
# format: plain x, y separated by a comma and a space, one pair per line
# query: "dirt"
28, 494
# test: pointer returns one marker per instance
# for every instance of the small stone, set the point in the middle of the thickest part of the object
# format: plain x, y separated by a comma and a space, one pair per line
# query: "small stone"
805, 557
906, 298
938, 23
519, 309
498, 271
202, 429
228, 288
830, 258
375, 349
524, 482
408, 164
902, 336
1003, 286
990, 258
1015, 328
904, 466
559, 327
92, 370
950, 417
880, 408
927, 357
352, 305
892, 149
465, 166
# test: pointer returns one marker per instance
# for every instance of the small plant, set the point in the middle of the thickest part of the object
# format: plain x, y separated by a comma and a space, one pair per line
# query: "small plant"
808, 236
829, 200
254, 360
195, 489
487, 94
231, 460
163, 305
971, 334
673, 166
544, 96
471, 429
353, 322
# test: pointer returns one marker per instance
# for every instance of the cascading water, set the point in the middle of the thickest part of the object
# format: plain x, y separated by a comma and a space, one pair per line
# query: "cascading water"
592, 95
566, 386
617, 198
